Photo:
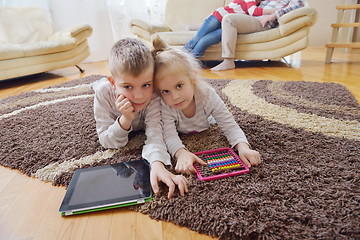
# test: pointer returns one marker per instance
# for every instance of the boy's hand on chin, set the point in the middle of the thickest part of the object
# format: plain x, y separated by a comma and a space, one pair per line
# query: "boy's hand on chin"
125, 107
127, 110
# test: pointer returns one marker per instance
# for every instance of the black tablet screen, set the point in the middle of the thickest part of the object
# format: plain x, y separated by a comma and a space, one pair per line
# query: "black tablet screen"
109, 184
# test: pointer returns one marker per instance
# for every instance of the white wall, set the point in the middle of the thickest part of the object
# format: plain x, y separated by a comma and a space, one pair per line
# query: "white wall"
93, 12
321, 32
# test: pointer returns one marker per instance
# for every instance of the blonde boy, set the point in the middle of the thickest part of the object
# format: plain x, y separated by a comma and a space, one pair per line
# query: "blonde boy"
125, 102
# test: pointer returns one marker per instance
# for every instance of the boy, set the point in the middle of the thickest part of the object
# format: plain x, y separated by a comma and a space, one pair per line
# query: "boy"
125, 102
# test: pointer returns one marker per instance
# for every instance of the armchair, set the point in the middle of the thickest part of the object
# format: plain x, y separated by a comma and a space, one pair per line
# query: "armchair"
28, 44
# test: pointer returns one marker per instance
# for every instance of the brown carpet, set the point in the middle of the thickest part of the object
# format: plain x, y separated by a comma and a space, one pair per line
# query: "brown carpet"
308, 134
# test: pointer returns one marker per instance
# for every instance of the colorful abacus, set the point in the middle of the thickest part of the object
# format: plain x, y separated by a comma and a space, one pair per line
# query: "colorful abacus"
221, 162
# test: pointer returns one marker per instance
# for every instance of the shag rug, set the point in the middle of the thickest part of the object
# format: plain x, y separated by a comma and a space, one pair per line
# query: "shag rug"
308, 135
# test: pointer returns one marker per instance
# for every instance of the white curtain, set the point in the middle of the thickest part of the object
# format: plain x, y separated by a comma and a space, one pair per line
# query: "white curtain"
156, 11
121, 12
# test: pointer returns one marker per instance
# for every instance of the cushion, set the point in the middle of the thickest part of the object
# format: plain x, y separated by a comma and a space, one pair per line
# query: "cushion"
182, 37
274, 53
42, 59
9, 51
140, 32
24, 25
181, 15
273, 44
176, 38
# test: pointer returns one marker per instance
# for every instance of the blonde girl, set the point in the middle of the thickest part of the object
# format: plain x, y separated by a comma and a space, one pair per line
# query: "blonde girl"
189, 105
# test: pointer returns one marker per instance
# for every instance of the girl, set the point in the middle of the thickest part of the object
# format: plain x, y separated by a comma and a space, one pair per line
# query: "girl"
189, 105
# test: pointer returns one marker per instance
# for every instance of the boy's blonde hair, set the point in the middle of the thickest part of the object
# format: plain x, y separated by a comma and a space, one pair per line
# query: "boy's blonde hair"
174, 61
129, 56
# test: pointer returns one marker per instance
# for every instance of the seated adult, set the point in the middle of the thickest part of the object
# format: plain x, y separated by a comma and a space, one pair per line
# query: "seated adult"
233, 24
209, 32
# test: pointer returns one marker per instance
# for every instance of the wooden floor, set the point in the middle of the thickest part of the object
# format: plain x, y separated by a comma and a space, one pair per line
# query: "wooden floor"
29, 207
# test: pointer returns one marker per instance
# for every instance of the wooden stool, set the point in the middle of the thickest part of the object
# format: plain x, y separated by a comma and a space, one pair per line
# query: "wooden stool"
334, 44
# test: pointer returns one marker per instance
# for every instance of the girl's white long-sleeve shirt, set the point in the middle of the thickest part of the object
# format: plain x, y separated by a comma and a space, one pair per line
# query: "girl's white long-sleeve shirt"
210, 109
112, 135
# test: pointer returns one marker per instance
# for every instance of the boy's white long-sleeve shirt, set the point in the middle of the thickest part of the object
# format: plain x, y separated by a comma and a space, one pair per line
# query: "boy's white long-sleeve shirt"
209, 109
110, 133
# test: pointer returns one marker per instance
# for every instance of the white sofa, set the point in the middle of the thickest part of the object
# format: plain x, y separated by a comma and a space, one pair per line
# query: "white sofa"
182, 18
28, 44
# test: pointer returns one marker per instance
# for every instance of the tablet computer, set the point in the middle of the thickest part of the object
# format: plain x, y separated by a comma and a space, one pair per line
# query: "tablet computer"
106, 187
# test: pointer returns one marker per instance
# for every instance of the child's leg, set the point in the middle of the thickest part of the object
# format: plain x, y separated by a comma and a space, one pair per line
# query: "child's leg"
205, 42
209, 25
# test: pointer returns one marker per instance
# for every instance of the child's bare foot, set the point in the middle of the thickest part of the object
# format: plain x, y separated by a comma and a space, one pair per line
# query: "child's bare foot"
228, 63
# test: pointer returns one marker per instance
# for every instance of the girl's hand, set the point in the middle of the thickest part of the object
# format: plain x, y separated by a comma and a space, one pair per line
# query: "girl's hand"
185, 161
249, 156
127, 110
160, 173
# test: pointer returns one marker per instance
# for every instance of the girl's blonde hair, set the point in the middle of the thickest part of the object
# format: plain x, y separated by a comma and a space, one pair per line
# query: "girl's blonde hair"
174, 61
129, 56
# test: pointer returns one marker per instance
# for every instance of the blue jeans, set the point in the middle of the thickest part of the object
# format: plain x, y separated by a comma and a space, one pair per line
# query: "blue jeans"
208, 34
